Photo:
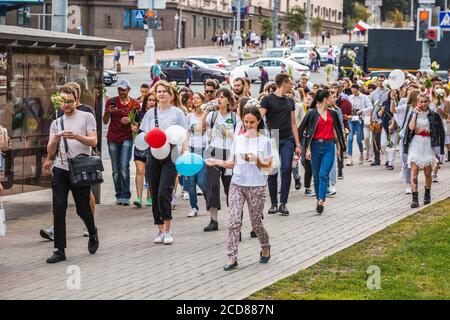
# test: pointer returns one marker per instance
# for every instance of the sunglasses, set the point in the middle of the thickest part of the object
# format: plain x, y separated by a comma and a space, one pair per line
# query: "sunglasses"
209, 91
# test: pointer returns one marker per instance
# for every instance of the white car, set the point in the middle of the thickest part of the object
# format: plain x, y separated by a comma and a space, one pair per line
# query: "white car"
300, 54
213, 61
272, 66
277, 53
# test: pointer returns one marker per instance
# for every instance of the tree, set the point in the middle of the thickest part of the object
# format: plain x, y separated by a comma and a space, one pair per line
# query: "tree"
360, 12
397, 17
316, 25
266, 27
296, 19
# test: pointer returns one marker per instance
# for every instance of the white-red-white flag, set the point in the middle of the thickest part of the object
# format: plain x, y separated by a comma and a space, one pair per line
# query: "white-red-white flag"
362, 26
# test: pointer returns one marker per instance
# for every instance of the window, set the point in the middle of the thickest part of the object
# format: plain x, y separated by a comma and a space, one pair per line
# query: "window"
22, 18
129, 20
339, 16
194, 26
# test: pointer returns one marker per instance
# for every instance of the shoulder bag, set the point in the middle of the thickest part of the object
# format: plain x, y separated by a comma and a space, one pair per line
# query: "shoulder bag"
84, 170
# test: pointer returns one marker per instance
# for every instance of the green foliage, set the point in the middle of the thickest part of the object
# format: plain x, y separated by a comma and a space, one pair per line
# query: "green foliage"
397, 17
266, 27
296, 19
412, 256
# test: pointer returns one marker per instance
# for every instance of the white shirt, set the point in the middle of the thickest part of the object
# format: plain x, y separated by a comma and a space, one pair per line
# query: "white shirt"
361, 102
172, 116
248, 174
198, 138
222, 124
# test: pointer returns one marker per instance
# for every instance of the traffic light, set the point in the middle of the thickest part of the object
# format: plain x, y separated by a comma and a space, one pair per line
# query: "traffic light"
423, 23
433, 37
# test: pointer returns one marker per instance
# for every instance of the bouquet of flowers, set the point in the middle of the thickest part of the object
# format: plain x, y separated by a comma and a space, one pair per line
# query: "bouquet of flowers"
290, 71
132, 117
58, 100
357, 70
426, 82
440, 94
352, 56
343, 72
328, 69
435, 67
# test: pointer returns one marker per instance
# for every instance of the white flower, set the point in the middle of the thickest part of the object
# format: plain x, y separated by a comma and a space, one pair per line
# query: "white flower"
440, 93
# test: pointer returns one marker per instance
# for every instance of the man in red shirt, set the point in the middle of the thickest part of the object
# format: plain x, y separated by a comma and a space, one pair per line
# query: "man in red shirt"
120, 140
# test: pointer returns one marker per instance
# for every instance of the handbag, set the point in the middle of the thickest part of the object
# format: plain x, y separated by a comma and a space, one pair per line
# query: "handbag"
84, 170
2, 220
376, 127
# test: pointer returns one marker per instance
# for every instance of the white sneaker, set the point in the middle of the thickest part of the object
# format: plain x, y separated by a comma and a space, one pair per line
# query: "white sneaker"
159, 238
349, 162
185, 195
168, 238
192, 213
408, 191
331, 190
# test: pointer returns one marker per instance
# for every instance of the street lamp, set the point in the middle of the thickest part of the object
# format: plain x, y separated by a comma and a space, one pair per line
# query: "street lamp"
237, 39
308, 20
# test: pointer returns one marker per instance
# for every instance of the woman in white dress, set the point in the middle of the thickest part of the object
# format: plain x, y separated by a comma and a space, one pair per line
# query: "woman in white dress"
425, 132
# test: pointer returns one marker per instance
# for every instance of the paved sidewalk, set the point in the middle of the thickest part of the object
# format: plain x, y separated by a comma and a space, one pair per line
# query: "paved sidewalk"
129, 266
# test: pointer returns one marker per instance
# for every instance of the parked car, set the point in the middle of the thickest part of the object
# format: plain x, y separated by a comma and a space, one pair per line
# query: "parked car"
213, 61
273, 67
300, 54
277, 53
174, 71
109, 77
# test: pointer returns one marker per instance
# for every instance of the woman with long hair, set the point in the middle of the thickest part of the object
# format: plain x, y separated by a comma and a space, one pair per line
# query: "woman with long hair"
198, 141
162, 174
140, 156
306, 162
322, 132
441, 106
222, 124
403, 112
250, 158
424, 133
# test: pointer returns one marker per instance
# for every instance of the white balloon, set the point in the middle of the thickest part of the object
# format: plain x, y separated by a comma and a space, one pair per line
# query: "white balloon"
161, 153
140, 142
176, 134
236, 73
396, 79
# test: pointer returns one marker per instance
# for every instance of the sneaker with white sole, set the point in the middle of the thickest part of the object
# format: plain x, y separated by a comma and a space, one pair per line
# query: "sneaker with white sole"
48, 234
309, 192
408, 191
159, 238
349, 162
331, 190
168, 238
192, 213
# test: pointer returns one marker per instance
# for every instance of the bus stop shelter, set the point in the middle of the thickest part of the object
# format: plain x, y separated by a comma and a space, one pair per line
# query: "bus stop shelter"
33, 64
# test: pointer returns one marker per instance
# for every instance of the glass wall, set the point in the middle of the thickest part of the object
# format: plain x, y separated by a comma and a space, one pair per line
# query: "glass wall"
28, 78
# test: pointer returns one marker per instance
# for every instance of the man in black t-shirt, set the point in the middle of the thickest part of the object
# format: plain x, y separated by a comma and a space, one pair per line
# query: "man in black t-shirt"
279, 111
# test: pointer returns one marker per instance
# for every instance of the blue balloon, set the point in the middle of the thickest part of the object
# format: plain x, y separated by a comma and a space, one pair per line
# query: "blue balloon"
189, 164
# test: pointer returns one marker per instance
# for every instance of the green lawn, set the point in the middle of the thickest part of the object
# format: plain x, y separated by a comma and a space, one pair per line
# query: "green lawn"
413, 256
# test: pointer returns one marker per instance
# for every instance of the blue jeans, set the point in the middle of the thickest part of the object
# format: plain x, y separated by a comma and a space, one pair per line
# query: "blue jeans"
197, 179
322, 160
333, 171
358, 127
286, 149
120, 155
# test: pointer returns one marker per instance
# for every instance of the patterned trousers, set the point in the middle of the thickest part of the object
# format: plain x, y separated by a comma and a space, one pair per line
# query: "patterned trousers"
255, 197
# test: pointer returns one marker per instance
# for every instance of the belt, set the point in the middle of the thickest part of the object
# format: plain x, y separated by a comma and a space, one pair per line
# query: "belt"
324, 140
424, 134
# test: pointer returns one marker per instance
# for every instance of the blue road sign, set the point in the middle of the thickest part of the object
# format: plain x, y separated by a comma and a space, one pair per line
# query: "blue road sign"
444, 19
139, 15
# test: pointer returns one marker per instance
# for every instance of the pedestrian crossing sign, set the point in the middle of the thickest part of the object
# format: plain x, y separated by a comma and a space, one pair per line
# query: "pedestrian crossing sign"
139, 15
444, 19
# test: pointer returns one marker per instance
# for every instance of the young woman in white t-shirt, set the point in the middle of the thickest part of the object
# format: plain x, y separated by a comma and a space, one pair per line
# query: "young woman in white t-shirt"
198, 141
162, 174
250, 158
222, 123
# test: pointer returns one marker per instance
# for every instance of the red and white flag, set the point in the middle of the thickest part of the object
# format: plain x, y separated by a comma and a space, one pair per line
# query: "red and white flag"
362, 26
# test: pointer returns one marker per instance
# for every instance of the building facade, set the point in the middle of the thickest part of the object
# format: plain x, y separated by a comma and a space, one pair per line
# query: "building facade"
185, 23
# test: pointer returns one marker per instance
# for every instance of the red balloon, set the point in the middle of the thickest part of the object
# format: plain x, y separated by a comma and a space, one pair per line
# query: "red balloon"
156, 138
